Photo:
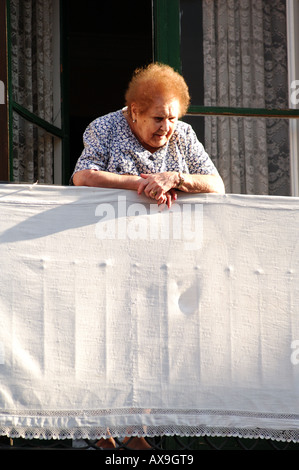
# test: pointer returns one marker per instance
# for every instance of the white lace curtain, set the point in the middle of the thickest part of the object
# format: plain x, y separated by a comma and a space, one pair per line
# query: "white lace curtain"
245, 65
32, 87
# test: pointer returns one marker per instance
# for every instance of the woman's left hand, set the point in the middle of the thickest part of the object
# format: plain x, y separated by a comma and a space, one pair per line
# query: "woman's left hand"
169, 198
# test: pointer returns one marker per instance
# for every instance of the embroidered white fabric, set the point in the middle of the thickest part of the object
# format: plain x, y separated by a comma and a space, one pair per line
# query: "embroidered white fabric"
117, 318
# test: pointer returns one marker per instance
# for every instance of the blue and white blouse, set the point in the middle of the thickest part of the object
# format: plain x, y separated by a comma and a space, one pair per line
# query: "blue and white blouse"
110, 145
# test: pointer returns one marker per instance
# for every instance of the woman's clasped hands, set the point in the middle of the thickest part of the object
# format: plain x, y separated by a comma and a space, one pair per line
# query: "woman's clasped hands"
159, 186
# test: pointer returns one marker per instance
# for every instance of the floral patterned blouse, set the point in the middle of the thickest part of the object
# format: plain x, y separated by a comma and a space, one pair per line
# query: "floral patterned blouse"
110, 145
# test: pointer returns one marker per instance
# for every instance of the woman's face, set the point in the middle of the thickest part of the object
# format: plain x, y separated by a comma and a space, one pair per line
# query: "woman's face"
154, 127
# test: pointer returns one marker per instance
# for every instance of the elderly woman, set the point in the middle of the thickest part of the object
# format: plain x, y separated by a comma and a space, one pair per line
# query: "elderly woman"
144, 147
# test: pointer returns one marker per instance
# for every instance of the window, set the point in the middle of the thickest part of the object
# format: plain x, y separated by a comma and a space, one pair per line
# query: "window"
236, 57
37, 130
67, 65
4, 168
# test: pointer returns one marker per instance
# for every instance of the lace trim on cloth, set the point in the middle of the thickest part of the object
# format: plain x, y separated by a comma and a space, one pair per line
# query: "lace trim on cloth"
119, 423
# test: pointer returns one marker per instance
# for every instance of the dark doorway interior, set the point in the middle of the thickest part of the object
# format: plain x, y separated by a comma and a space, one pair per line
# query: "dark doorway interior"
107, 40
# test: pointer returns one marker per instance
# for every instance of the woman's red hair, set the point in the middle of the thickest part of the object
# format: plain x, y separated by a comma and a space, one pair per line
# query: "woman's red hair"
153, 81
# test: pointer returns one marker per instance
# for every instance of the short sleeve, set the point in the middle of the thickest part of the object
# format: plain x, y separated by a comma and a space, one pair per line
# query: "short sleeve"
95, 153
197, 158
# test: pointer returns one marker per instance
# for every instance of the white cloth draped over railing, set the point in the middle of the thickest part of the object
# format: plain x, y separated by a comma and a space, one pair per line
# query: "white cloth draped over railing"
117, 317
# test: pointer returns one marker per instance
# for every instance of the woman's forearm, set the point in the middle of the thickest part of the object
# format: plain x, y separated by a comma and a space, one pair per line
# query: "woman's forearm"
104, 179
202, 184
160, 183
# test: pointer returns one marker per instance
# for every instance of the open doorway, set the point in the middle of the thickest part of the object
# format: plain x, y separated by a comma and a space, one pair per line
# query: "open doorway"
107, 40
